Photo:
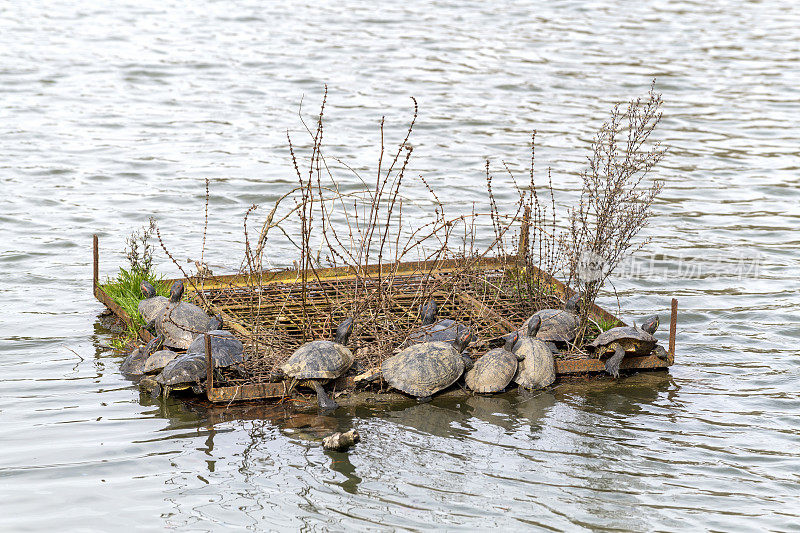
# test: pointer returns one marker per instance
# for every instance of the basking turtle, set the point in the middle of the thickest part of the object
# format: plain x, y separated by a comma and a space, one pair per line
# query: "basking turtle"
226, 350
183, 372
619, 341
495, 369
134, 364
424, 369
436, 330
152, 305
558, 326
537, 367
181, 322
158, 360
321, 360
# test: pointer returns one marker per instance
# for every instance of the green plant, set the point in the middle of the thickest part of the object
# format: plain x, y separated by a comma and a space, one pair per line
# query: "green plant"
125, 291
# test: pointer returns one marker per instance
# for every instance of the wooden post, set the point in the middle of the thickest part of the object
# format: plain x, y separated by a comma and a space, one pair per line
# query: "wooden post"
95, 264
209, 367
673, 325
522, 252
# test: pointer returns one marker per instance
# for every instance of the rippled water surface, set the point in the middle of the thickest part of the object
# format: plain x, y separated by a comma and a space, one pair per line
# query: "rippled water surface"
111, 113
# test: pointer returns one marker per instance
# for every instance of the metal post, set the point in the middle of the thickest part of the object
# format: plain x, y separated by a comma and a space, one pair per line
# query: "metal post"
95, 264
673, 325
209, 367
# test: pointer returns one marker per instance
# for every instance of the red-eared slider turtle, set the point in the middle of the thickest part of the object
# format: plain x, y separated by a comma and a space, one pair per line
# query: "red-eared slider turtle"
158, 360
321, 360
183, 372
152, 305
537, 367
181, 322
134, 364
226, 350
619, 341
495, 369
424, 369
558, 326
436, 330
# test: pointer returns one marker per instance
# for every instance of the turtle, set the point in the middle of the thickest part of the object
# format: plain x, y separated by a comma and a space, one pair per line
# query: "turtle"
495, 369
632, 340
537, 368
424, 369
181, 322
558, 327
433, 329
183, 372
134, 364
226, 350
152, 305
321, 360
158, 360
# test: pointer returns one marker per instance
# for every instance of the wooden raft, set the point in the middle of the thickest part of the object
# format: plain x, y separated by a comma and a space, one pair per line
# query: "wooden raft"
235, 320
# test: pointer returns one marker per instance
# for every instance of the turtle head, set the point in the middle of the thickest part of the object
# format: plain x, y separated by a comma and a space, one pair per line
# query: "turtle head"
571, 305
176, 292
152, 346
650, 324
462, 340
344, 330
148, 291
511, 340
533, 325
428, 312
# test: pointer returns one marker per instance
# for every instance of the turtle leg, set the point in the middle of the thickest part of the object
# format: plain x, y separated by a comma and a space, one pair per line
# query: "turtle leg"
613, 362
325, 402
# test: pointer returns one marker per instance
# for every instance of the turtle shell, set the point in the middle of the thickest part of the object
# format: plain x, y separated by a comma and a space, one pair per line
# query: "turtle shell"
493, 371
444, 330
187, 368
557, 325
151, 307
424, 369
181, 322
538, 367
318, 360
634, 340
134, 363
226, 350
158, 360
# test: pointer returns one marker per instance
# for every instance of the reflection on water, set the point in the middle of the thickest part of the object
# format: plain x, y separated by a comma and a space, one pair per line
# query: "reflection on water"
109, 116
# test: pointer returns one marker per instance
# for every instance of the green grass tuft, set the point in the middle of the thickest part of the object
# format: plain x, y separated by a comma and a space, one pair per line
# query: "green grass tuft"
124, 290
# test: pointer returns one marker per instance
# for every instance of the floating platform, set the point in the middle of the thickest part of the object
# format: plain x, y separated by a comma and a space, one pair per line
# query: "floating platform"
277, 299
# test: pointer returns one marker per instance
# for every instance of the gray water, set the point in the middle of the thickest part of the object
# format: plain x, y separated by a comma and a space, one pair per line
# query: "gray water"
113, 112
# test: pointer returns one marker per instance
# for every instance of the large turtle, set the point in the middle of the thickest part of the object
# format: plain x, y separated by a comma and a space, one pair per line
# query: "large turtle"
183, 372
321, 360
537, 365
181, 322
619, 341
134, 364
424, 369
435, 329
226, 350
495, 369
558, 326
152, 305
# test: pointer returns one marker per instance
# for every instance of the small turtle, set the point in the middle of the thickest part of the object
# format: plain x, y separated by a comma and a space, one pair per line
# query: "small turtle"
152, 305
558, 326
619, 341
183, 372
321, 360
537, 367
495, 369
424, 369
433, 330
181, 322
158, 360
134, 364
226, 350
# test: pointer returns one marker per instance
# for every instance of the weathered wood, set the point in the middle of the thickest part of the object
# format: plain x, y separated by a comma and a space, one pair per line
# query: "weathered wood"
95, 263
209, 366
584, 366
673, 326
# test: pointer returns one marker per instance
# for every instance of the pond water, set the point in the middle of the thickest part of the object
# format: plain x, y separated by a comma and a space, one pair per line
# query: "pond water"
112, 113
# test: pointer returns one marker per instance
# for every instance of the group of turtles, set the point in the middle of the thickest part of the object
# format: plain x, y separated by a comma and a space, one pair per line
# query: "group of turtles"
178, 326
432, 358
434, 355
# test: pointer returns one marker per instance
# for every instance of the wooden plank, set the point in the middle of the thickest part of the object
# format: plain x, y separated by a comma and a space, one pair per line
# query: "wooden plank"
673, 325
583, 366
256, 391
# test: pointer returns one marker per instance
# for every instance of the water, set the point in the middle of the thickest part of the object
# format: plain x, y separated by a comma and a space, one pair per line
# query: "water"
111, 114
